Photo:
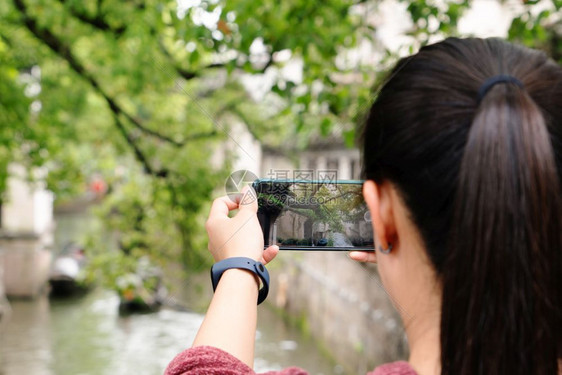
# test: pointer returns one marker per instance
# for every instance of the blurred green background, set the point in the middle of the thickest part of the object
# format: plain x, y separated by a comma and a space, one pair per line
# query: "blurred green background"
139, 93
133, 100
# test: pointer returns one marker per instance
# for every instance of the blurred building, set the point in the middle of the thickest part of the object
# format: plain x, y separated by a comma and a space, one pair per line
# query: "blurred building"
26, 233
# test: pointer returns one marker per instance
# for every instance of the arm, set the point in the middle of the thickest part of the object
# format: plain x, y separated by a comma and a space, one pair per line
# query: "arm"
230, 322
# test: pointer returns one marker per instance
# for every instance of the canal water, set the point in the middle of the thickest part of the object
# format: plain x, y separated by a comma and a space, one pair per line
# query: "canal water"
87, 336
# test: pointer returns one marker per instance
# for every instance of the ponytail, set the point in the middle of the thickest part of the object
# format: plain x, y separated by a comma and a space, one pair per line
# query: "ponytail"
480, 172
500, 306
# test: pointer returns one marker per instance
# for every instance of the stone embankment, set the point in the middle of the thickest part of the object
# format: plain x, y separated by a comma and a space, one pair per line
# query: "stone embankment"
341, 304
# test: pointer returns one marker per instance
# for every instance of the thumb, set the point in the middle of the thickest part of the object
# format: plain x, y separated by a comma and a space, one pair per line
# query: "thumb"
249, 199
270, 253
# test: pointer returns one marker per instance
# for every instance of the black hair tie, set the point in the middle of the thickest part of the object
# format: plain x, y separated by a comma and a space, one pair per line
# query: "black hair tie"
490, 82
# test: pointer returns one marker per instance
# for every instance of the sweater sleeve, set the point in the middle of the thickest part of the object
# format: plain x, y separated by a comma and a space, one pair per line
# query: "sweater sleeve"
208, 360
394, 368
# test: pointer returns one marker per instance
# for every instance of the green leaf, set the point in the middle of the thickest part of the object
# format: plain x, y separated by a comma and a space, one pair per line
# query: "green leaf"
325, 127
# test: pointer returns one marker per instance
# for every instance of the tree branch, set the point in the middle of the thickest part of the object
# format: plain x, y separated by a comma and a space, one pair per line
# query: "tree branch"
139, 155
64, 52
97, 21
238, 113
202, 135
182, 72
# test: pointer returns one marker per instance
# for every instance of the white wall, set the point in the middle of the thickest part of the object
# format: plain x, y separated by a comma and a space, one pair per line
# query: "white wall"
28, 208
240, 148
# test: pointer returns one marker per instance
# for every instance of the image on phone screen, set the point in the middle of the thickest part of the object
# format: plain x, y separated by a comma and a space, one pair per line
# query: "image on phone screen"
313, 215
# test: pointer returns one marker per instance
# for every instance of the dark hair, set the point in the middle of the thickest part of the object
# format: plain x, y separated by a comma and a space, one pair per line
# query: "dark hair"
481, 180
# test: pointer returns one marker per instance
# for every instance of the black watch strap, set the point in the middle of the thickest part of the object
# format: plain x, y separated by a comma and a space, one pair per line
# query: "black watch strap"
243, 263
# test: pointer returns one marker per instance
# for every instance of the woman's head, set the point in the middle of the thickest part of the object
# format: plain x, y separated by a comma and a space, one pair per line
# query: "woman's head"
480, 178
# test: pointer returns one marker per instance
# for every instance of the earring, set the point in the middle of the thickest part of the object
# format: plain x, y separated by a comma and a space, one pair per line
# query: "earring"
386, 251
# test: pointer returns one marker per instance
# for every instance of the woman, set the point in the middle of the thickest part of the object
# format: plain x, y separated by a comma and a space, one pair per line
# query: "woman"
462, 153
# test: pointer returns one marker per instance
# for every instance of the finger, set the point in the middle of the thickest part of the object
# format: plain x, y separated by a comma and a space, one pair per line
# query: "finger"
363, 256
270, 253
248, 200
221, 207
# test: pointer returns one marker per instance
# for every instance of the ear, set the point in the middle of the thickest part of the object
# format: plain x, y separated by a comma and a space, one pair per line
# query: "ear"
379, 201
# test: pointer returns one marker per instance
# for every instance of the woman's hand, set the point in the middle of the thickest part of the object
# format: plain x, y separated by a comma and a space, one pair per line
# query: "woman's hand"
241, 235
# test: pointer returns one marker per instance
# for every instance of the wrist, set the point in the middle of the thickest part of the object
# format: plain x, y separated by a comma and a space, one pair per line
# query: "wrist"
242, 279
249, 268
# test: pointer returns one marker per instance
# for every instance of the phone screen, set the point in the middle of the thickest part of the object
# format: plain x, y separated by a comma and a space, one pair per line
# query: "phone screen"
313, 215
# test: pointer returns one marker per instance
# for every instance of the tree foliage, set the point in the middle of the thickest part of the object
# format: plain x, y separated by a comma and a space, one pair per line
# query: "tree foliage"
142, 92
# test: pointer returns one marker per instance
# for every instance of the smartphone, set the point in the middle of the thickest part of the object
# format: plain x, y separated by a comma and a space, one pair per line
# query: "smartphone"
314, 215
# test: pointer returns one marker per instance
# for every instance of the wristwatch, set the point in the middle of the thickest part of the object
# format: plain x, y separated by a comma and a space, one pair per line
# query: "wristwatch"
243, 263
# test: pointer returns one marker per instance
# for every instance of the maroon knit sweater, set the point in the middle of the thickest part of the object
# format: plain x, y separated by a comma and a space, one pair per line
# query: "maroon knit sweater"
207, 360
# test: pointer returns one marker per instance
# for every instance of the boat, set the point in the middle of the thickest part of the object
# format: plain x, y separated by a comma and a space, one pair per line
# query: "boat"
67, 272
141, 291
